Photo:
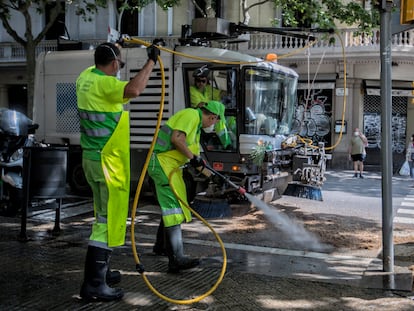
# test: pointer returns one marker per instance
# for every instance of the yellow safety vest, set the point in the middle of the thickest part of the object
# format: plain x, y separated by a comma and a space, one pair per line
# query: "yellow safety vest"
115, 159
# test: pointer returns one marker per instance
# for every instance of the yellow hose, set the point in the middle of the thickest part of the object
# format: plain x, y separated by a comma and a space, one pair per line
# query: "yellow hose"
135, 205
307, 141
145, 167
345, 96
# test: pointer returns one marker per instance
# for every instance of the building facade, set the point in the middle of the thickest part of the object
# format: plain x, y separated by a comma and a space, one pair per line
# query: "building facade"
339, 75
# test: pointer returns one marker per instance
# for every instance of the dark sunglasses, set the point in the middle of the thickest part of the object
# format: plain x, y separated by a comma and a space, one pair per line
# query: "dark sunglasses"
121, 63
201, 80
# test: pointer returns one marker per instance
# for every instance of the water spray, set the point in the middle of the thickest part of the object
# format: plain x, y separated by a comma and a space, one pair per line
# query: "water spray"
295, 230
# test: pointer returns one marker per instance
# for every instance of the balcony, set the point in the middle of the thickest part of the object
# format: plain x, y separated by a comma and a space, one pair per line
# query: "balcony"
258, 45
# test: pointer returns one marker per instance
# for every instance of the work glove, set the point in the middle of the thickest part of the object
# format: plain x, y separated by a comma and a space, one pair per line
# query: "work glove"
153, 53
197, 161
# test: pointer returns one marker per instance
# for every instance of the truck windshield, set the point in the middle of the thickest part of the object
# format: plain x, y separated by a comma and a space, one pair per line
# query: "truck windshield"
270, 98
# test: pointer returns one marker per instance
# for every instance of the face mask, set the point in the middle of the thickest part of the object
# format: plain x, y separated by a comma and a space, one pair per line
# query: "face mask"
118, 72
209, 129
356, 133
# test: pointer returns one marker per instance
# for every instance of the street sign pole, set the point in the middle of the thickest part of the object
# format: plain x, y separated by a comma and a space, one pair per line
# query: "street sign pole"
386, 143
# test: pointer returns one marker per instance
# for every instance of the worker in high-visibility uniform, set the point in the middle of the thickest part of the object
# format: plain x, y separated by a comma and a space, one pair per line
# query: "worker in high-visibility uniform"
106, 160
202, 92
178, 142
222, 131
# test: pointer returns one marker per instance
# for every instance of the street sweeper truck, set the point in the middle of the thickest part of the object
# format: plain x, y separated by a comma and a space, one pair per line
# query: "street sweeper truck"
259, 96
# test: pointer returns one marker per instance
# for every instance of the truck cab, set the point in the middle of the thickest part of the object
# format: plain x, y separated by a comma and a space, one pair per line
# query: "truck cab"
260, 99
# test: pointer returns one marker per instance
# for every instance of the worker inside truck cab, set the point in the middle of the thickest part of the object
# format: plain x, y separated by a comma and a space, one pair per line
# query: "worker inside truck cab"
202, 92
104, 127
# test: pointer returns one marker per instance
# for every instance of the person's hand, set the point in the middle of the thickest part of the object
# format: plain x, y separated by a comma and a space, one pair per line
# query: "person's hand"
153, 53
197, 161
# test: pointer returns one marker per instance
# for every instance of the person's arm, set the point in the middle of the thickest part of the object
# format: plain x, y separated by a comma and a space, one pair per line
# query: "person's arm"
196, 98
140, 81
364, 139
178, 139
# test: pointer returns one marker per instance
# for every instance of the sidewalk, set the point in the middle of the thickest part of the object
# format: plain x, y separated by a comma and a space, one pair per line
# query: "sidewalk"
45, 273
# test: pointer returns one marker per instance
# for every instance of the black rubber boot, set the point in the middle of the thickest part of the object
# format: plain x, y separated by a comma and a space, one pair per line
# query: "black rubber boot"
175, 251
94, 286
159, 246
113, 277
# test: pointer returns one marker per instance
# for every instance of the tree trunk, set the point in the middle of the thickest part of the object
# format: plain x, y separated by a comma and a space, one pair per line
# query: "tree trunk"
30, 70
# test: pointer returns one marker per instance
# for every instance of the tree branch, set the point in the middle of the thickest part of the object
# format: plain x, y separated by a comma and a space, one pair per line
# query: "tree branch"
209, 9
245, 9
258, 3
54, 13
199, 8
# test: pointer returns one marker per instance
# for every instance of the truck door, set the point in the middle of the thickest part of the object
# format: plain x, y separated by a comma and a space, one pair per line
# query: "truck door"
204, 83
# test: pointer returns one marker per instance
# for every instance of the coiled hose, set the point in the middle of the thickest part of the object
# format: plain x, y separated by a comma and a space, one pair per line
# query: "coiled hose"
139, 266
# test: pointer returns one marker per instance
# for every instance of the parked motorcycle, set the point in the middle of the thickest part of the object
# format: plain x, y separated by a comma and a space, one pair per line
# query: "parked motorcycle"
16, 132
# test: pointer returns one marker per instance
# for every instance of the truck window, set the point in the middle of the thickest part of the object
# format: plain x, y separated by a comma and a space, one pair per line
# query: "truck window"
207, 83
270, 101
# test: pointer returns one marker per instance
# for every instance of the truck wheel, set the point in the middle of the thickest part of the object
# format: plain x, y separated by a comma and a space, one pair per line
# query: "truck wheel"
77, 180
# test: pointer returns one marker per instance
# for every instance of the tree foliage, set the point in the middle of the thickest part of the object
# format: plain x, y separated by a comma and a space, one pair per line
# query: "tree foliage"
326, 14
138, 5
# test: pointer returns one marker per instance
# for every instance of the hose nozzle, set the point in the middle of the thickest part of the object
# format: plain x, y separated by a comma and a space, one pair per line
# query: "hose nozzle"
241, 190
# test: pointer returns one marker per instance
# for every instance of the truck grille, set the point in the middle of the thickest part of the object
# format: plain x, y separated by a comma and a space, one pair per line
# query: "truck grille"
144, 109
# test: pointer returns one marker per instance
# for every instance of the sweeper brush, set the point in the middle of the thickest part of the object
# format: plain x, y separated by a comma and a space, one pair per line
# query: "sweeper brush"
215, 207
299, 190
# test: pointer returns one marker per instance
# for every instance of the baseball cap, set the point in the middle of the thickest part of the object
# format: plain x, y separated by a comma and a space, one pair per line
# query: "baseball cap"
215, 107
201, 72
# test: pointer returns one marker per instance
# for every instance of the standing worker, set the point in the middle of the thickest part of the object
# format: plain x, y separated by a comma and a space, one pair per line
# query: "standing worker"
178, 142
357, 151
105, 160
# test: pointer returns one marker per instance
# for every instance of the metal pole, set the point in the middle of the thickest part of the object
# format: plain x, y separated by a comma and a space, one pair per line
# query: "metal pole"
386, 143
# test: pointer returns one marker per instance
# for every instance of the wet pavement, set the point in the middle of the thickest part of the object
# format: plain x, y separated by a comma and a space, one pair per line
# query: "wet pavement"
45, 272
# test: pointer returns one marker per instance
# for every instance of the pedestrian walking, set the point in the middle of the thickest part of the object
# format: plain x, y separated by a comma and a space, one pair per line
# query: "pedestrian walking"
357, 152
410, 155
106, 160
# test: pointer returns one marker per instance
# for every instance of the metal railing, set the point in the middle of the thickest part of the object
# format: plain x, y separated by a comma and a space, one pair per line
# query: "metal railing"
257, 44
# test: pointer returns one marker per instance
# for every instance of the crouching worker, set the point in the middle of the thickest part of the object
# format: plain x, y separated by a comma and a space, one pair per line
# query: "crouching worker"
178, 142
105, 160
